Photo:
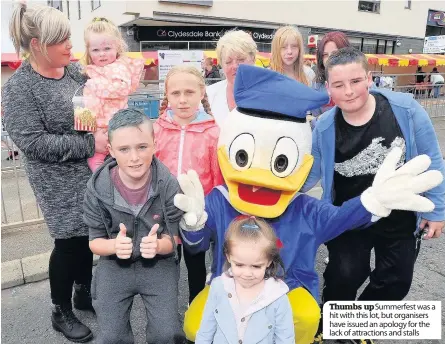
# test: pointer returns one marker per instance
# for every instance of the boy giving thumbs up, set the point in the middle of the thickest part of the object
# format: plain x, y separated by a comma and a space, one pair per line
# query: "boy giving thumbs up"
134, 226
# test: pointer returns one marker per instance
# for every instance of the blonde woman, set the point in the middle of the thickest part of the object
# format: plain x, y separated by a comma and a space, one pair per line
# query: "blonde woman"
234, 48
288, 55
39, 117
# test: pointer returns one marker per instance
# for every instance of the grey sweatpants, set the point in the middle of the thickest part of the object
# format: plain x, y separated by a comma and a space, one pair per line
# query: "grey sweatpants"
115, 283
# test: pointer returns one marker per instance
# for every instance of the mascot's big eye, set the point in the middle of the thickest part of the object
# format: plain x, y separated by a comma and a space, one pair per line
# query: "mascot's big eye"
285, 157
241, 151
281, 162
241, 158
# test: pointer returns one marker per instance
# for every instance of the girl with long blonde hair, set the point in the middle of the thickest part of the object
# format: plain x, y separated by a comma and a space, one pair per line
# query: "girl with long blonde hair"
288, 55
186, 139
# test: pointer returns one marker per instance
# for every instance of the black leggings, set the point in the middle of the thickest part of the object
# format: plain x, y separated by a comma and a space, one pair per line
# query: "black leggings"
71, 261
196, 271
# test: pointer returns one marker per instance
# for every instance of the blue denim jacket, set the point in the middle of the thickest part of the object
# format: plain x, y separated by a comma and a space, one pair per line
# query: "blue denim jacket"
417, 131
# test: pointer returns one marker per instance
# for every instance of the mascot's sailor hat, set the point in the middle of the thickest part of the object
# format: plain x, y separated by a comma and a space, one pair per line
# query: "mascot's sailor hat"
262, 91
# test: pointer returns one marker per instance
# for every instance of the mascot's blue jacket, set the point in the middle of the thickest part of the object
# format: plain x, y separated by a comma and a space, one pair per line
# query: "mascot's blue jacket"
301, 229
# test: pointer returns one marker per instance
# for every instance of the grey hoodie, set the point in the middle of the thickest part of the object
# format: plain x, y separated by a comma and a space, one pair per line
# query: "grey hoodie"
105, 209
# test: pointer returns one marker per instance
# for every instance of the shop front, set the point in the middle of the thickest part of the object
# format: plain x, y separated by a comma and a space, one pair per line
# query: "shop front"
435, 25
154, 38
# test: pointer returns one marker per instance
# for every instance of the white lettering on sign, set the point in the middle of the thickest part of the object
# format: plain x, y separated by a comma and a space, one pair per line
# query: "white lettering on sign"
182, 34
257, 35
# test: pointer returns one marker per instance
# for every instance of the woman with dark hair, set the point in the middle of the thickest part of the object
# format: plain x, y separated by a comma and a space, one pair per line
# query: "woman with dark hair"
331, 42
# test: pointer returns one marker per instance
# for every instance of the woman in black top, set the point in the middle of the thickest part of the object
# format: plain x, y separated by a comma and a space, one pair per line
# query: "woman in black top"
38, 110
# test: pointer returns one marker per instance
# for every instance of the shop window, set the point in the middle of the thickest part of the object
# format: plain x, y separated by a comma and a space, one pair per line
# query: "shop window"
264, 47
357, 46
381, 46
369, 46
369, 6
389, 47
434, 31
202, 45
95, 4
207, 3
56, 4
153, 46
356, 42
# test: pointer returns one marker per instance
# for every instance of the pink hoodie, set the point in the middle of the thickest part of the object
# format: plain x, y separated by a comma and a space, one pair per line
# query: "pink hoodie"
190, 147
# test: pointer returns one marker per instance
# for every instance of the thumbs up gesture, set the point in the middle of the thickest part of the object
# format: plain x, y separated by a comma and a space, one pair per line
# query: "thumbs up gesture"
122, 244
150, 244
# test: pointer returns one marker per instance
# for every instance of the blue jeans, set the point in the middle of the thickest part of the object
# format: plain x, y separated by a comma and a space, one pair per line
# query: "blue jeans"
436, 90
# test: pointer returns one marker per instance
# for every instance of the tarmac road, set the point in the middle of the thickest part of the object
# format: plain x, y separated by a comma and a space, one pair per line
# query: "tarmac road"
26, 309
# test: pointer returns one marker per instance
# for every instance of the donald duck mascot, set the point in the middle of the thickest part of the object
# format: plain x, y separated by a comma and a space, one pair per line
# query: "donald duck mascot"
264, 155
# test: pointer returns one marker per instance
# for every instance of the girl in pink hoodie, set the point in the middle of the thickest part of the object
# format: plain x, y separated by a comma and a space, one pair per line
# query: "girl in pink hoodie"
186, 139
112, 77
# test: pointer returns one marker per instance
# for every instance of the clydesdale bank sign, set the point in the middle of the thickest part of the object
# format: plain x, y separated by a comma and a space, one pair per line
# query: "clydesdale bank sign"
198, 33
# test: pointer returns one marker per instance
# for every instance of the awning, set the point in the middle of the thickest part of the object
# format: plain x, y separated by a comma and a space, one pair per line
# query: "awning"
151, 57
263, 59
421, 60
11, 60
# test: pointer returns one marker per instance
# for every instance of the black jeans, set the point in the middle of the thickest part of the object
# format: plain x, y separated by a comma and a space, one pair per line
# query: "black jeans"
71, 261
196, 271
349, 267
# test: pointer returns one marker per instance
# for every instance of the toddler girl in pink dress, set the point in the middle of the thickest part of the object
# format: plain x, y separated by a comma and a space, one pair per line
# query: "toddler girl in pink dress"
112, 77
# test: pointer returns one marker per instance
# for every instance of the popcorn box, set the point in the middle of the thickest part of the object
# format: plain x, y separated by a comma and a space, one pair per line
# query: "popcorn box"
84, 118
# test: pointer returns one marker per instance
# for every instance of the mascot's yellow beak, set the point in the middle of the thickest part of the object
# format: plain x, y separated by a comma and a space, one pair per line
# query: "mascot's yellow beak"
258, 191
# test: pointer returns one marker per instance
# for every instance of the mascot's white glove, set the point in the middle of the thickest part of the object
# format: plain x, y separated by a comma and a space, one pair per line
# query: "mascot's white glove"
400, 189
191, 202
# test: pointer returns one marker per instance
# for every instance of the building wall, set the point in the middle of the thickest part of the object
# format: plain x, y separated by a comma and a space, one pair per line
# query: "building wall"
410, 43
112, 10
132, 45
7, 8
393, 19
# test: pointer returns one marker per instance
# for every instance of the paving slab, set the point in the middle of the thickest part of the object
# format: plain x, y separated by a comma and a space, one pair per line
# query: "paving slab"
35, 268
12, 274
